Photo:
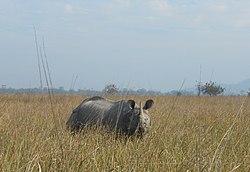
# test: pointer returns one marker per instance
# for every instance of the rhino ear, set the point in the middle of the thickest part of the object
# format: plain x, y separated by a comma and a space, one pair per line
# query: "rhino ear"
131, 104
148, 104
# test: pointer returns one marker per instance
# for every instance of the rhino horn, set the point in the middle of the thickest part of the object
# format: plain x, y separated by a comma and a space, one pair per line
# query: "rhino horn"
141, 111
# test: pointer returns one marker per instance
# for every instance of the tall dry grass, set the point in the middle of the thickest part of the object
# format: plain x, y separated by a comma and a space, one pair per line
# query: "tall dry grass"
188, 134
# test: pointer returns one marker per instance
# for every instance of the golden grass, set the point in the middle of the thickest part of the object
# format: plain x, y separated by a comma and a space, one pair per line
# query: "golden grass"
188, 134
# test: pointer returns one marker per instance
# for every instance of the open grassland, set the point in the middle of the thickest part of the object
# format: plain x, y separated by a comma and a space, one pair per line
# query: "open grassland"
188, 134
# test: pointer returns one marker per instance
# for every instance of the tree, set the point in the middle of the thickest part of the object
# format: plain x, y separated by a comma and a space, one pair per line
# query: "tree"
211, 89
110, 89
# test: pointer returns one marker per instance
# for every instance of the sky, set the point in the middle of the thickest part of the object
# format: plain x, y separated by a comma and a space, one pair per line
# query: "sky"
151, 44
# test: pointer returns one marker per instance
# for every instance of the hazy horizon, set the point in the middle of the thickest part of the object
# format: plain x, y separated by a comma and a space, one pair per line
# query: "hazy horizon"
151, 44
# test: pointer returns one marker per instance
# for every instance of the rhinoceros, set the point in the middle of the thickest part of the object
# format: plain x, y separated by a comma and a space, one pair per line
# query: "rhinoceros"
123, 116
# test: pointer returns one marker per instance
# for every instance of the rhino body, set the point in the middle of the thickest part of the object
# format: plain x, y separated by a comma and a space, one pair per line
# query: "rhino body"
121, 116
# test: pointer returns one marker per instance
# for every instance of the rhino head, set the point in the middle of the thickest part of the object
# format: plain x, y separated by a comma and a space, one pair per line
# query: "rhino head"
139, 118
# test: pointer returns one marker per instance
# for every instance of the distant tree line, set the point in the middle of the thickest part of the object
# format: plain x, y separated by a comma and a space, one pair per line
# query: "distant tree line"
209, 88
59, 90
108, 90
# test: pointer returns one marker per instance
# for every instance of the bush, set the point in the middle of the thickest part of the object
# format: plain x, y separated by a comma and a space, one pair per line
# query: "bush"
211, 89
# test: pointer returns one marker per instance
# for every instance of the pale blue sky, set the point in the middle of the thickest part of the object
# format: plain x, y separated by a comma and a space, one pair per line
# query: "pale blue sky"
154, 44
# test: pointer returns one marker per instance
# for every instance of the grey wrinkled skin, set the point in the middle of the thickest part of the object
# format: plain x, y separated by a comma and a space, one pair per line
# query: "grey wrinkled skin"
121, 116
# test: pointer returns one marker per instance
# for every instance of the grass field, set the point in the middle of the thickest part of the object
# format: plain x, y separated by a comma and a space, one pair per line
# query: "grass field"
188, 134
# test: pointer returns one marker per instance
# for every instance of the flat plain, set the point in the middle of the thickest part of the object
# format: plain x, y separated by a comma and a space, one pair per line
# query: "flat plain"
188, 134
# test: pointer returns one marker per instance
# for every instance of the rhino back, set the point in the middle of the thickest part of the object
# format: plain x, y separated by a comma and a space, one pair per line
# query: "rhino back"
90, 111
